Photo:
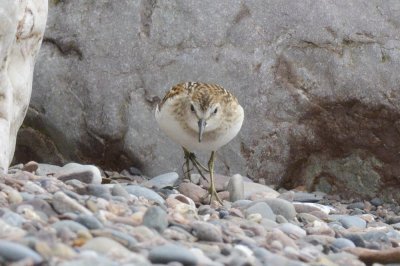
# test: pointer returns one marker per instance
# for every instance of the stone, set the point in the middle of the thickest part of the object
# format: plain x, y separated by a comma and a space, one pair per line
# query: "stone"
300, 196
235, 188
262, 208
206, 231
310, 207
282, 207
161, 181
292, 230
99, 191
195, 192
12, 252
104, 245
342, 243
156, 218
353, 221
23, 24
89, 221
47, 169
125, 239
149, 194
31, 167
259, 191
63, 203
168, 253
118, 190
376, 202
88, 174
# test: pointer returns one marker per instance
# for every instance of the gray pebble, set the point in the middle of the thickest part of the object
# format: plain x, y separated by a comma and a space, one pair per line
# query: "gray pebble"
169, 253
11, 252
89, 221
161, 181
63, 203
308, 197
352, 221
140, 191
118, 190
71, 225
292, 230
282, 207
206, 232
236, 188
88, 174
156, 218
261, 208
125, 239
356, 205
100, 191
376, 202
341, 243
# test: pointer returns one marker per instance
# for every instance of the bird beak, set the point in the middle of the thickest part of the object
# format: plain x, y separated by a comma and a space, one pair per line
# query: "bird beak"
202, 125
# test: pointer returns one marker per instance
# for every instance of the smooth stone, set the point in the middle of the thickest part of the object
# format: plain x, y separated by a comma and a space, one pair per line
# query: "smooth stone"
307, 218
292, 230
376, 202
193, 191
254, 188
41, 206
169, 253
268, 224
356, 239
206, 231
393, 219
14, 197
356, 205
8, 231
396, 226
341, 243
282, 207
308, 207
104, 245
10, 251
235, 188
88, 174
281, 219
300, 196
241, 204
71, 225
89, 221
47, 169
352, 221
63, 203
34, 188
12, 218
156, 218
118, 190
123, 238
30, 167
88, 258
262, 208
376, 240
149, 194
162, 181
100, 191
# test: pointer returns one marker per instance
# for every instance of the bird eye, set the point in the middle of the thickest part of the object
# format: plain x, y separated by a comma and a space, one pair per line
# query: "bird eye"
192, 108
215, 111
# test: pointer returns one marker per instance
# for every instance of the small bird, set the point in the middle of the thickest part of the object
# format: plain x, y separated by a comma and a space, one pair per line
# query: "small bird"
200, 117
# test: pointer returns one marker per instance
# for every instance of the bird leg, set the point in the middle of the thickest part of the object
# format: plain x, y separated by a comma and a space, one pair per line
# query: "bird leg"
212, 190
191, 157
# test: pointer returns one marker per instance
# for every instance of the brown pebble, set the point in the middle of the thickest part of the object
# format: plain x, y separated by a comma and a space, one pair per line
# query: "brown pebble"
30, 167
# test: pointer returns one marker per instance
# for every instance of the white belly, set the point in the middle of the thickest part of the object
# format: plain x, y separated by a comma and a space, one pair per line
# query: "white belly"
172, 128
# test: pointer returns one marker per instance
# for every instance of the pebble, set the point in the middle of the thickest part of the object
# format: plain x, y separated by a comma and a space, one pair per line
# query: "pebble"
30, 167
149, 194
156, 218
161, 181
88, 174
292, 230
206, 232
169, 253
12, 252
263, 209
352, 221
235, 188
282, 207
136, 221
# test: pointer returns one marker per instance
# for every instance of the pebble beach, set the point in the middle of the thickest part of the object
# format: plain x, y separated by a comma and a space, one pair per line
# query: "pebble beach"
81, 215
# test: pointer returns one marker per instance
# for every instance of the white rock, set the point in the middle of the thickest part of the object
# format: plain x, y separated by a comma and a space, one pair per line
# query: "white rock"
21, 32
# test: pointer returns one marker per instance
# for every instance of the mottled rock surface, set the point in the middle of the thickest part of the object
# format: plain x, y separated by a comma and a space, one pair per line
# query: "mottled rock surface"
318, 83
21, 33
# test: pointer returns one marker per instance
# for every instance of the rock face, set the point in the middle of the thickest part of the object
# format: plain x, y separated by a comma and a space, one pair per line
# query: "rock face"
319, 84
21, 32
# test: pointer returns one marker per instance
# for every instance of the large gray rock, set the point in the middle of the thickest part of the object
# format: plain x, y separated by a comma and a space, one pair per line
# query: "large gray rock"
21, 32
319, 84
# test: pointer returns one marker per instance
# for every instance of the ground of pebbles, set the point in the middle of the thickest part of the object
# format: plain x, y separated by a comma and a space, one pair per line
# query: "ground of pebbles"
78, 215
